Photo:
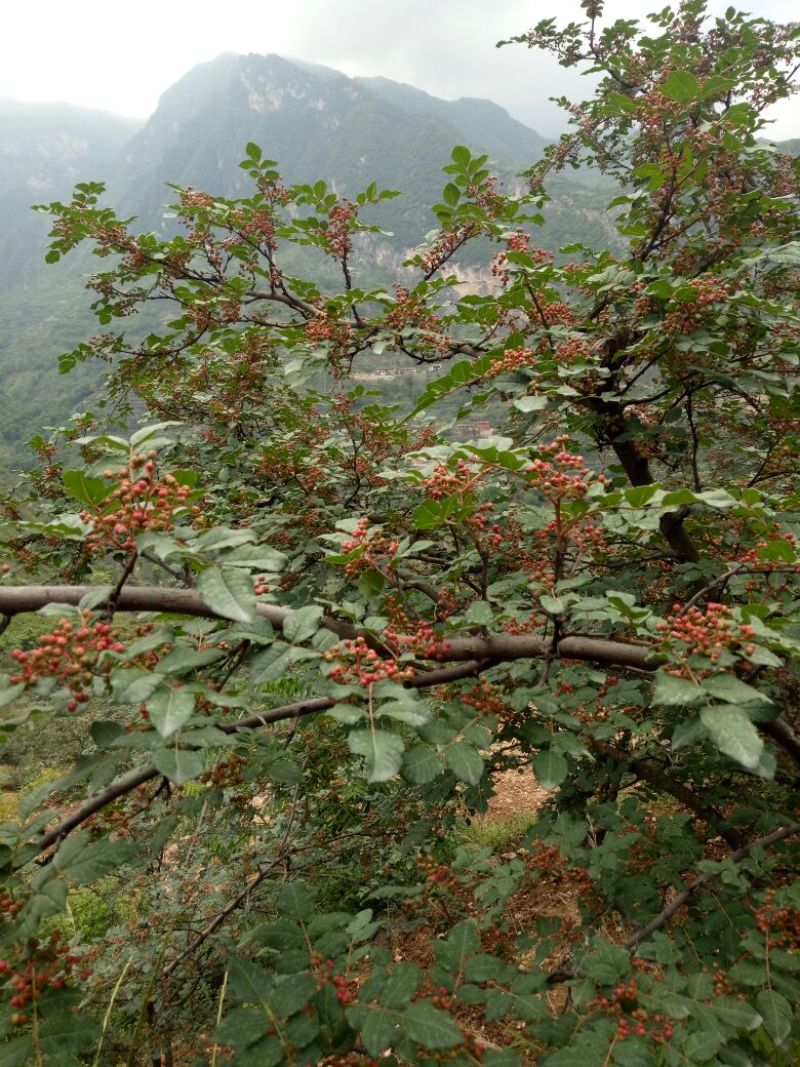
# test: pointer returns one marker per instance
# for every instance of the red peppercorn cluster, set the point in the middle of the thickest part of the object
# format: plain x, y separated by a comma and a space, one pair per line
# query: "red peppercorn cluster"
260, 584
447, 241
751, 556
338, 232
420, 639
511, 360
623, 1005
550, 865
438, 874
707, 632
562, 476
10, 905
227, 772
48, 966
366, 667
346, 988
449, 481
140, 502
780, 925
70, 653
374, 550
485, 697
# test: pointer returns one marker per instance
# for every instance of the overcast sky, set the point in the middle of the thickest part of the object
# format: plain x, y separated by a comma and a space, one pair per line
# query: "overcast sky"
121, 56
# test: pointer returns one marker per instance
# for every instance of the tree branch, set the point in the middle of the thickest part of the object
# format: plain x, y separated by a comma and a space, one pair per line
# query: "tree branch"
636, 938
652, 773
493, 648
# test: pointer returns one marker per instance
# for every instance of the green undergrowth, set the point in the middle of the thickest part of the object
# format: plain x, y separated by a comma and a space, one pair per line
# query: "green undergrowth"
500, 834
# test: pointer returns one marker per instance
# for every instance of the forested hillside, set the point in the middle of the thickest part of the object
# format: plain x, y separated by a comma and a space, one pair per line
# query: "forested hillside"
312, 120
338, 732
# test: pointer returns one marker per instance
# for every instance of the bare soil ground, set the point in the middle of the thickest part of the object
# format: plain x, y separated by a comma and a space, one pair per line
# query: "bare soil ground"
516, 792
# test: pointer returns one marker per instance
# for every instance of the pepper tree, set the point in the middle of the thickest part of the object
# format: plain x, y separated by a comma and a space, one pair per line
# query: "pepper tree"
306, 628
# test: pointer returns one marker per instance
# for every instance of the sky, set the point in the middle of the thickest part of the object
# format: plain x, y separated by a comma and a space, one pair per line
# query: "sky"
121, 57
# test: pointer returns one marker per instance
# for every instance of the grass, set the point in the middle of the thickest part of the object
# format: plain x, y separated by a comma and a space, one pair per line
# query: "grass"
500, 833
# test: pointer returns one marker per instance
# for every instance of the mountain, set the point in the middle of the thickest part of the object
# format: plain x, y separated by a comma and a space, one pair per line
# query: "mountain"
482, 123
44, 150
316, 122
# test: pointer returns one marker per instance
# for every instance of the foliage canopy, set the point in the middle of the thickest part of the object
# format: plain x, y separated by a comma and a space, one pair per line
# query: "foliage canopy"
348, 616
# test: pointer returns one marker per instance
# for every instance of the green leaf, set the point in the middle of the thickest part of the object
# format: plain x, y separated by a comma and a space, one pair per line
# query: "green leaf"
428, 515
242, 1027
553, 605
422, 764
681, 86
409, 711
88, 490
638, 495
734, 734
431, 1027
479, 613
606, 963
295, 901
527, 404
18, 1052
777, 551
727, 687
675, 692
549, 768
379, 1030
170, 708
49, 898
148, 432
183, 658
303, 623
292, 993
180, 765
370, 584
451, 194
382, 750
737, 1013
62, 1032
465, 762
248, 982
219, 537
229, 592
268, 1052
462, 943
701, 1045
83, 861
10, 694
401, 985
776, 1013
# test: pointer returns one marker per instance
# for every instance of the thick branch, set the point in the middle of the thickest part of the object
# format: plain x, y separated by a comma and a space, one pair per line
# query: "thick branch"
492, 648
144, 774
784, 735
637, 469
301, 708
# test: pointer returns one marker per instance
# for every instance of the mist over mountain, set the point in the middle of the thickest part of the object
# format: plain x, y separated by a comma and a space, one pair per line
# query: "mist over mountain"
315, 121
44, 150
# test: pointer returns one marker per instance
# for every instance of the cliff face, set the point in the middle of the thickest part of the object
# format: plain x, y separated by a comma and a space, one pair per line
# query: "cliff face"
44, 150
